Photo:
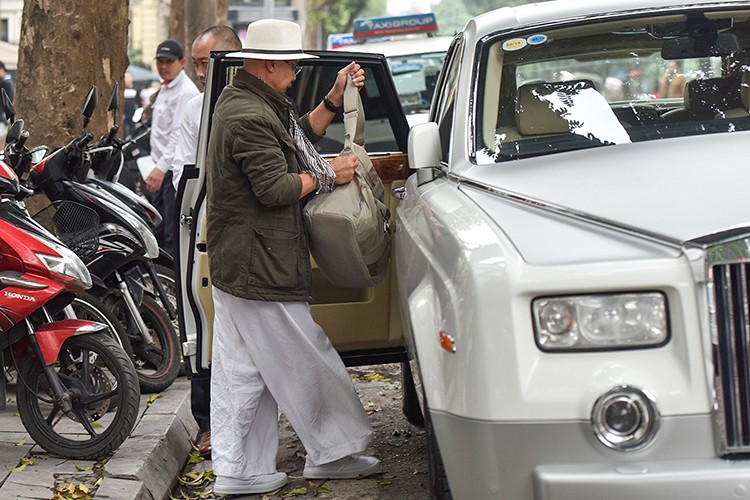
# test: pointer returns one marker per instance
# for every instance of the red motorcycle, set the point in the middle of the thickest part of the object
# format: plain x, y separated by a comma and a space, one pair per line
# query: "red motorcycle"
76, 389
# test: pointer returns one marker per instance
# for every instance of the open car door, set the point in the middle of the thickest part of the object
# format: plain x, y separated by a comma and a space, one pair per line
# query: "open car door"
363, 324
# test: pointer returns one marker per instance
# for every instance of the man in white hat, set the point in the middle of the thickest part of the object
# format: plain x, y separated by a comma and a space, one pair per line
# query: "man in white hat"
268, 352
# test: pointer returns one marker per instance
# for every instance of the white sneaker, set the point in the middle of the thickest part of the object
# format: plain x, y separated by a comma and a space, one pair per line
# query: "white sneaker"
350, 467
263, 483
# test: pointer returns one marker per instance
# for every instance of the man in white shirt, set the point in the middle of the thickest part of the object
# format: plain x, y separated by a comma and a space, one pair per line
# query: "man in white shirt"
217, 37
175, 91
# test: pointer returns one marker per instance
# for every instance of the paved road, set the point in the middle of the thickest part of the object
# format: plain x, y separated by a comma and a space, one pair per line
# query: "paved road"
143, 468
399, 445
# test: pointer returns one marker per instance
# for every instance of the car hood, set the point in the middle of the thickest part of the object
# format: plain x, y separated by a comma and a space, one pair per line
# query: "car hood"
675, 189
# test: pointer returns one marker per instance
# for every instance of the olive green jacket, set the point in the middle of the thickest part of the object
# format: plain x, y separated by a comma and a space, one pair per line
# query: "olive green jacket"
257, 244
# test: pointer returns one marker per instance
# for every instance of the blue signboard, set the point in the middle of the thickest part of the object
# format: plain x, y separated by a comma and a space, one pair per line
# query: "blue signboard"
398, 25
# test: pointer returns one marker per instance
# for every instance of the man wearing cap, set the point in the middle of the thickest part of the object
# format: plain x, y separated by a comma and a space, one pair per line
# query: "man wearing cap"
176, 90
268, 352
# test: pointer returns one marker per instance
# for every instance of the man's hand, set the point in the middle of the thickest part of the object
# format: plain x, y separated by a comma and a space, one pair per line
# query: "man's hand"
344, 167
154, 180
336, 94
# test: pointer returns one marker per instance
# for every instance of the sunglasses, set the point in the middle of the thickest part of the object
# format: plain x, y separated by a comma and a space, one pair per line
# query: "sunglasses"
295, 68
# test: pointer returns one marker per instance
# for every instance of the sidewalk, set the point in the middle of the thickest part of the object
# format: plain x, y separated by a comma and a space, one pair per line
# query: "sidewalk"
145, 466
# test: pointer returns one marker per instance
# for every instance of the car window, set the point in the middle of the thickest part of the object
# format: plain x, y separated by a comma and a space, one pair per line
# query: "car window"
448, 85
629, 80
314, 82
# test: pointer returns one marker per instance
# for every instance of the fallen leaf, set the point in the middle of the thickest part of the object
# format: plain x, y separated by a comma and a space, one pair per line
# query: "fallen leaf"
194, 458
81, 469
296, 492
372, 377
152, 398
95, 425
23, 463
21, 443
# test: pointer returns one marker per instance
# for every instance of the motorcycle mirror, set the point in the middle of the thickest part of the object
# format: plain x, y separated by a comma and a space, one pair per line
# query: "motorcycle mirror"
113, 98
15, 130
10, 111
92, 99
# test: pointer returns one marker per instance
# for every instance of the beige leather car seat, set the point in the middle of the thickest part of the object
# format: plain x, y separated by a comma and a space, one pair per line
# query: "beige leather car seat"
534, 113
707, 98
741, 111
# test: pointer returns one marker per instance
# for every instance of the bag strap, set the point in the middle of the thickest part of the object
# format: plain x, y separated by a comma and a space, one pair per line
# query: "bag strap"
354, 116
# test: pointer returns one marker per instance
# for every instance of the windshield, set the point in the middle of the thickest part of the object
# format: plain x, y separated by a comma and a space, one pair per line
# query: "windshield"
612, 83
415, 76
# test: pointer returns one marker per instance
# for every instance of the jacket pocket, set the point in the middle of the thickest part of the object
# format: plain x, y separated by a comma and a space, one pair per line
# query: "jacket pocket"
274, 259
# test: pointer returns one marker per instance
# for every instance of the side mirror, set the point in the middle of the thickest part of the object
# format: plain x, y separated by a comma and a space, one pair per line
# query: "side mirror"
10, 111
424, 150
113, 98
92, 99
14, 132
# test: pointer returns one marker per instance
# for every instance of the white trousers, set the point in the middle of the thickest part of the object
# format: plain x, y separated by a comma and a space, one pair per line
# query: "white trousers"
273, 353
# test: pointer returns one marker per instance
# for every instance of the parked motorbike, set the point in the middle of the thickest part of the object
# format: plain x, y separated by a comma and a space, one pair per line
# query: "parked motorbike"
76, 389
107, 160
84, 305
126, 247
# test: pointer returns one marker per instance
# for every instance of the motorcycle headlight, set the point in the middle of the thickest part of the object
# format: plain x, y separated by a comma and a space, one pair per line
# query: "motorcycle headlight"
67, 265
140, 228
600, 322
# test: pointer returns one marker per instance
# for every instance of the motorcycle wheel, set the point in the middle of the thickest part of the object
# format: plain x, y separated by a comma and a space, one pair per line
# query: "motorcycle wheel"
94, 370
166, 276
156, 365
87, 306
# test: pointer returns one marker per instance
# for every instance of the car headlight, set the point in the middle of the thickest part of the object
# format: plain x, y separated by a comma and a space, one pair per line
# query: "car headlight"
67, 266
601, 321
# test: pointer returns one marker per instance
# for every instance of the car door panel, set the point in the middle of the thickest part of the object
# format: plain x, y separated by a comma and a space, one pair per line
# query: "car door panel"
363, 324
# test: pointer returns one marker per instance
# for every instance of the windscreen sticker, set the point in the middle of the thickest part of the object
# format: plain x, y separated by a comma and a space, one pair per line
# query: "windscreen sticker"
514, 44
537, 39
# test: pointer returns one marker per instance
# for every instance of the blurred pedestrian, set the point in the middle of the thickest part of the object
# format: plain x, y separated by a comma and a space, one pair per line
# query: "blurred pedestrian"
176, 89
6, 83
217, 37
131, 104
673, 81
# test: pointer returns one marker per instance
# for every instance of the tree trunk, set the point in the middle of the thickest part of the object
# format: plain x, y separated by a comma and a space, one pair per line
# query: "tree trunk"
189, 18
66, 47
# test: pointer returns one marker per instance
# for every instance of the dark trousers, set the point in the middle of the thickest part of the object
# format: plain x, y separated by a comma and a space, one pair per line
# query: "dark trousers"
163, 200
200, 402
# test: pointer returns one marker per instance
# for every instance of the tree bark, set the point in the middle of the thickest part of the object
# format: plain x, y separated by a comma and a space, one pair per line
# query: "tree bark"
189, 18
66, 47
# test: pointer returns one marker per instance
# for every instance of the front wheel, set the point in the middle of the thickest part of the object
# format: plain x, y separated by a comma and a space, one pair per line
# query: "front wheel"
156, 364
89, 307
95, 373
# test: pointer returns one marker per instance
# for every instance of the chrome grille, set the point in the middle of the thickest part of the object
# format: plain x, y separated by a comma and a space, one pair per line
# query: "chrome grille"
731, 292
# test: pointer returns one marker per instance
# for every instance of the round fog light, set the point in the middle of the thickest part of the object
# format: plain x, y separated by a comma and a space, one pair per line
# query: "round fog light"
625, 419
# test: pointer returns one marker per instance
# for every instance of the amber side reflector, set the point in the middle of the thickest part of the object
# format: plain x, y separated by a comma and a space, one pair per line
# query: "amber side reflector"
447, 342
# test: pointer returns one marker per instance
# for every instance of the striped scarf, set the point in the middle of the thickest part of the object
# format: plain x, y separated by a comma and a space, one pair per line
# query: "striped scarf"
309, 159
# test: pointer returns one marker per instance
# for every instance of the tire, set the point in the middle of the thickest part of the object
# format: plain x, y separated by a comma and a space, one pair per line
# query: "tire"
157, 366
109, 372
87, 306
439, 488
410, 406
166, 276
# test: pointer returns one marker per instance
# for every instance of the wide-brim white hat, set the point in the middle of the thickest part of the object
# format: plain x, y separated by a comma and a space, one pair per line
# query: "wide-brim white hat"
273, 39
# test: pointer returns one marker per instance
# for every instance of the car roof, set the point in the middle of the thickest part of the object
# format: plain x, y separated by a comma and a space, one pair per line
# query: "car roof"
507, 18
403, 47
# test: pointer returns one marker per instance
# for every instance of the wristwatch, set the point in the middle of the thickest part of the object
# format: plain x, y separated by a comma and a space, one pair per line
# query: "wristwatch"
330, 106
